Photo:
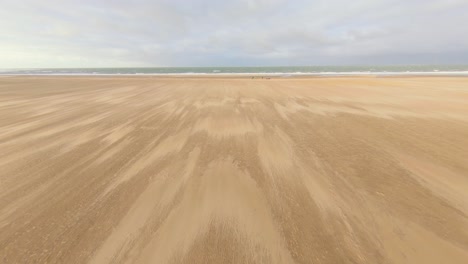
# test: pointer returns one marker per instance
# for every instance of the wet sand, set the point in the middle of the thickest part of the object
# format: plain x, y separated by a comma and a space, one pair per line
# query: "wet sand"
233, 170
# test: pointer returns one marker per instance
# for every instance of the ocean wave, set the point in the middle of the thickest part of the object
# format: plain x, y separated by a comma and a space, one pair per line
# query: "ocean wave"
130, 72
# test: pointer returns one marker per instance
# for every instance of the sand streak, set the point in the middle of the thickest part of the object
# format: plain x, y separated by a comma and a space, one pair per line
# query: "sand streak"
233, 170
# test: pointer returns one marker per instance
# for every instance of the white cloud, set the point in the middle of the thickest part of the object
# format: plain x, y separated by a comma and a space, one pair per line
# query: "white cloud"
88, 33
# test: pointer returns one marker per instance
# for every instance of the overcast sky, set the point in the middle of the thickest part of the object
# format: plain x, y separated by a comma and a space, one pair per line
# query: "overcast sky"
118, 33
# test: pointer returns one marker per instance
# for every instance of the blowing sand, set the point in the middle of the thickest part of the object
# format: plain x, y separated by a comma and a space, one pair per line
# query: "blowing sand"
233, 170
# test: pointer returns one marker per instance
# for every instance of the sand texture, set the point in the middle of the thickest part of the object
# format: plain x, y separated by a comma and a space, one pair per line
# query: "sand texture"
233, 170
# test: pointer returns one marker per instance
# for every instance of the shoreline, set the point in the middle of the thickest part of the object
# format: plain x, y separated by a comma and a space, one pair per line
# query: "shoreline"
251, 75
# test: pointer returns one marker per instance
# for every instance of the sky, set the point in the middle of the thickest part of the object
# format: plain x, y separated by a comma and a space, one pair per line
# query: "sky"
166, 33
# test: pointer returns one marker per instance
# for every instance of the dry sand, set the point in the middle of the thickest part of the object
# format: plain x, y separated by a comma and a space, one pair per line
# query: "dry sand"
233, 170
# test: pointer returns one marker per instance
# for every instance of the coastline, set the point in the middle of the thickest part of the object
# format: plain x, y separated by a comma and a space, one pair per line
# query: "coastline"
250, 75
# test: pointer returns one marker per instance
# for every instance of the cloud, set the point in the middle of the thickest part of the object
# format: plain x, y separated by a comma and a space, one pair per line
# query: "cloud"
86, 33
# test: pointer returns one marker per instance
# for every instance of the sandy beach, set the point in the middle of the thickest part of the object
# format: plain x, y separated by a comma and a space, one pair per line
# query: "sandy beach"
233, 170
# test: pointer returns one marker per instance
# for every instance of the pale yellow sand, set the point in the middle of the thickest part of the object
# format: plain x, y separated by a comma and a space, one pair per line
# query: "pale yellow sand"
233, 170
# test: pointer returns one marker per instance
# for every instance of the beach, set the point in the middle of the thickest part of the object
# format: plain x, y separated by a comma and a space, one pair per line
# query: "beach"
146, 169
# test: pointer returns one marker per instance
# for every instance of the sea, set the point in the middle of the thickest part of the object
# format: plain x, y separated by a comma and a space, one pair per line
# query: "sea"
284, 71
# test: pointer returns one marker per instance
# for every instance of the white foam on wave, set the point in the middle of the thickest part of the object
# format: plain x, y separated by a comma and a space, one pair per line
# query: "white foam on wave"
281, 74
